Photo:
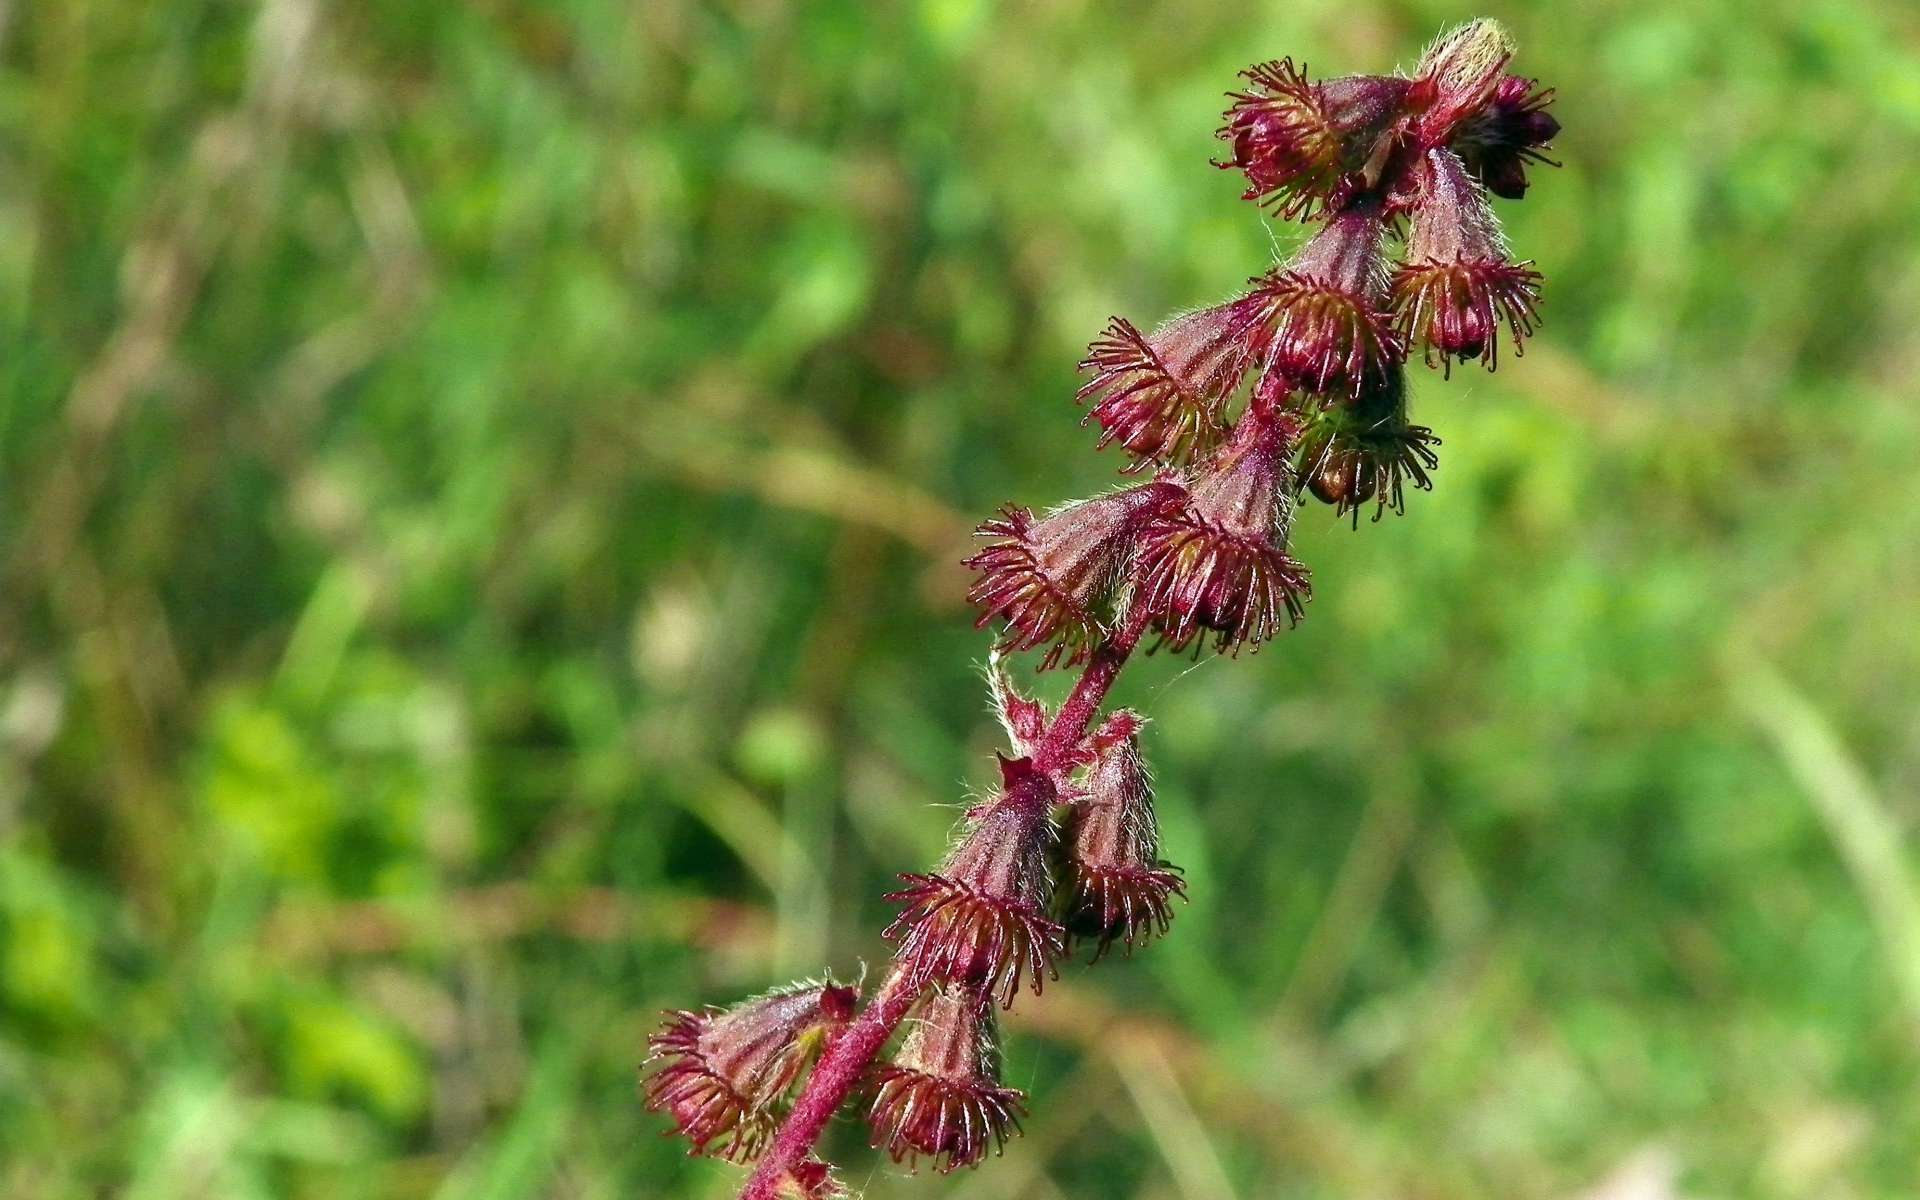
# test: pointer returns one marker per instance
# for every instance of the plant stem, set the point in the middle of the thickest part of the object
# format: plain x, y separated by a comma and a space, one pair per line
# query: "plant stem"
845, 1062
1070, 724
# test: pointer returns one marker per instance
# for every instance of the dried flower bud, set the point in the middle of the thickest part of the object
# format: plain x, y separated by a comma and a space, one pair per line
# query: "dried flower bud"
1048, 578
1025, 721
1457, 76
1326, 308
1458, 286
722, 1072
1513, 131
1121, 890
941, 1094
1368, 451
1297, 141
1160, 396
1220, 564
981, 920
1023, 718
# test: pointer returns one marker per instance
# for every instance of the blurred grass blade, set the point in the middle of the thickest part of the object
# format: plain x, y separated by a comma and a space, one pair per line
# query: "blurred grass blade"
1851, 809
1177, 1130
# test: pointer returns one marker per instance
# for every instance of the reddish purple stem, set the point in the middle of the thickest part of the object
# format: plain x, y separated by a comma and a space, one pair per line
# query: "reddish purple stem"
845, 1063
1070, 724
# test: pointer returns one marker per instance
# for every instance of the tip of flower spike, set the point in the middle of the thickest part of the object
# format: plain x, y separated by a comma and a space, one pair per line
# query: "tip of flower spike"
1468, 53
1458, 74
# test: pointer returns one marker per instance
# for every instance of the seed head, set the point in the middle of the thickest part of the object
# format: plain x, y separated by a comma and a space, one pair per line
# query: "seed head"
721, 1073
941, 1095
1326, 309
1160, 396
1368, 451
1458, 286
1297, 141
981, 919
1219, 565
1048, 579
1120, 888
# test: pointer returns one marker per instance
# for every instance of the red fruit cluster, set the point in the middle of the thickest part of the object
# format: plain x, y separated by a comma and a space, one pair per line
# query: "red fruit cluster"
1394, 173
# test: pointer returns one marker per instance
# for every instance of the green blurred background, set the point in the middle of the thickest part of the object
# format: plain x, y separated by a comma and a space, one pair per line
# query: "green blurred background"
480, 487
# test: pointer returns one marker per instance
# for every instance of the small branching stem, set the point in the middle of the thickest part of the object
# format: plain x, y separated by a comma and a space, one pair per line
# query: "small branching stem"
1084, 701
846, 1062
833, 1080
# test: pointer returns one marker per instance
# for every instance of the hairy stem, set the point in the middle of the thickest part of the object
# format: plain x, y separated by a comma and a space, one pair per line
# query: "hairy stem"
1070, 724
845, 1063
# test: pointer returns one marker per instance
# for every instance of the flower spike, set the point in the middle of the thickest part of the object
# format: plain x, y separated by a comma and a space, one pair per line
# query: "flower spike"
1227, 415
941, 1095
722, 1072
